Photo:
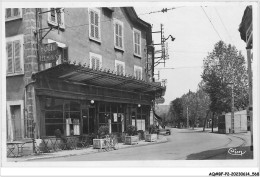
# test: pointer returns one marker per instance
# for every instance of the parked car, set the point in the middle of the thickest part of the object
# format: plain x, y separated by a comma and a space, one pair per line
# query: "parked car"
163, 131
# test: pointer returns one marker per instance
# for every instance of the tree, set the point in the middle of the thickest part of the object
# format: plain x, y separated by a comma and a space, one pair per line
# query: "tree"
221, 68
176, 110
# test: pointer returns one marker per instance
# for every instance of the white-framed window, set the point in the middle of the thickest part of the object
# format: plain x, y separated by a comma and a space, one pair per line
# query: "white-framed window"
137, 42
120, 67
13, 13
138, 72
94, 24
118, 34
95, 61
15, 120
56, 17
14, 55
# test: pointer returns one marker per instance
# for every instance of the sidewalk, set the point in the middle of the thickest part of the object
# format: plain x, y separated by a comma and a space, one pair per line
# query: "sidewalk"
90, 150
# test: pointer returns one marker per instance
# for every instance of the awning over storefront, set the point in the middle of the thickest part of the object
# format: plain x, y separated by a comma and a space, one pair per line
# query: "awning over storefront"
103, 77
158, 118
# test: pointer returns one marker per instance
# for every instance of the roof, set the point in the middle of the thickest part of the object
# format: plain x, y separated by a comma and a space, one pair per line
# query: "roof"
130, 11
104, 78
245, 23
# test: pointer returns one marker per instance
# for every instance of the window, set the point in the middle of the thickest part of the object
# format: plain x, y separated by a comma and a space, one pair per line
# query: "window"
56, 17
138, 72
95, 61
118, 34
137, 42
120, 67
14, 55
94, 27
13, 13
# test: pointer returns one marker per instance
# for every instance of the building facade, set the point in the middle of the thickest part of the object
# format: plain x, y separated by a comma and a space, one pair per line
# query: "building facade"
246, 34
76, 69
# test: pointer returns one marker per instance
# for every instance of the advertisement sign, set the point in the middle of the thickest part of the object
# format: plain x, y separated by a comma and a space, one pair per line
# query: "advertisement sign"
48, 53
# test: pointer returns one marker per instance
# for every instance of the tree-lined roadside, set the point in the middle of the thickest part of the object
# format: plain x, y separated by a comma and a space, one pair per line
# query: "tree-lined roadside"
223, 68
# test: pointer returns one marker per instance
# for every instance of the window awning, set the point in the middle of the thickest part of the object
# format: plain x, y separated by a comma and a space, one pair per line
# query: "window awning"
103, 77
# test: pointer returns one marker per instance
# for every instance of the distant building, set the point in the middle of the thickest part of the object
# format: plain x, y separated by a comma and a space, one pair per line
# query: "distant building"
240, 122
77, 69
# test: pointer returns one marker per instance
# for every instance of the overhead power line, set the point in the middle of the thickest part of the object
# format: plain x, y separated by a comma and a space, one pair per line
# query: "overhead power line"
224, 25
211, 22
162, 10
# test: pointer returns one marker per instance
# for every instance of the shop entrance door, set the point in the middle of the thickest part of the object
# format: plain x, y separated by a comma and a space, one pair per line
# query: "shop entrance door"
88, 117
92, 117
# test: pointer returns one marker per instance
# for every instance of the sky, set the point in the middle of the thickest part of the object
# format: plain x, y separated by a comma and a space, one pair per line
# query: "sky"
195, 36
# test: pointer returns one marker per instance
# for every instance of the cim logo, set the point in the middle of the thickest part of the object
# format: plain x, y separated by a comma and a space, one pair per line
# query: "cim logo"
233, 151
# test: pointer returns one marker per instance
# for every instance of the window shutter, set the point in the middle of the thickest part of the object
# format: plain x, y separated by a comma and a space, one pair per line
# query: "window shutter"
97, 64
15, 12
93, 62
118, 68
9, 51
120, 36
8, 13
62, 18
17, 56
53, 15
59, 18
96, 26
116, 33
121, 69
65, 52
92, 24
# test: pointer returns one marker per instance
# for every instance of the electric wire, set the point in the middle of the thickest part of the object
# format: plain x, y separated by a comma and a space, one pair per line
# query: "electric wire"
224, 25
211, 22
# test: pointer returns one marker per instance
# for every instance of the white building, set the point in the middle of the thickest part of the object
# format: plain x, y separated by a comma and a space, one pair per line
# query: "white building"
240, 122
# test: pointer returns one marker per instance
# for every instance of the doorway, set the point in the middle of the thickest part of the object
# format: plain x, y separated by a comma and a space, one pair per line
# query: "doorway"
88, 117
16, 121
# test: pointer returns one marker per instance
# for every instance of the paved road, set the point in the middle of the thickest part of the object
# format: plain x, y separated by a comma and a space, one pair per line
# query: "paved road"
182, 144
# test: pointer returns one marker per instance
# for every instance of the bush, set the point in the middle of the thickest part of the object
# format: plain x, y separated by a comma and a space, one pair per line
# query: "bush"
103, 131
131, 130
152, 129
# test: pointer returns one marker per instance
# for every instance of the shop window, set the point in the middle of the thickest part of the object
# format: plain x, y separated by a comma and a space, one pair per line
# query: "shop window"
137, 42
63, 115
14, 55
94, 27
53, 104
50, 129
13, 14
56, 17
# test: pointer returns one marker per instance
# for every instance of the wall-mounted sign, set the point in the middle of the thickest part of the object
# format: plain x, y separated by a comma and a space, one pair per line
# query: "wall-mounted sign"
160, 100
48, 53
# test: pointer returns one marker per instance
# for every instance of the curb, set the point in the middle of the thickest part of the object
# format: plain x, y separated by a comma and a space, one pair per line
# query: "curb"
164, 140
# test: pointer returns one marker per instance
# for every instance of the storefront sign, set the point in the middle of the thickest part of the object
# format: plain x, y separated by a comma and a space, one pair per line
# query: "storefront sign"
48, 53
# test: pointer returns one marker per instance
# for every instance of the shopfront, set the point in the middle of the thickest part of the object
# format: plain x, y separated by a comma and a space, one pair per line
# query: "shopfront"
78, 102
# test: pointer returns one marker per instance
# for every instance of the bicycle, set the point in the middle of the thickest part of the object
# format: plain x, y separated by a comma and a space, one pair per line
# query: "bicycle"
110, 143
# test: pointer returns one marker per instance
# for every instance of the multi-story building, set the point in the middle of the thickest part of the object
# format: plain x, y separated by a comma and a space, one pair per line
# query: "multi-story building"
246, 34
75, 69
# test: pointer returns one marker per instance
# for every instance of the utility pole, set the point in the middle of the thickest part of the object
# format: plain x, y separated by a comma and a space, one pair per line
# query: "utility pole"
187, 116
232, 109
250, 109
